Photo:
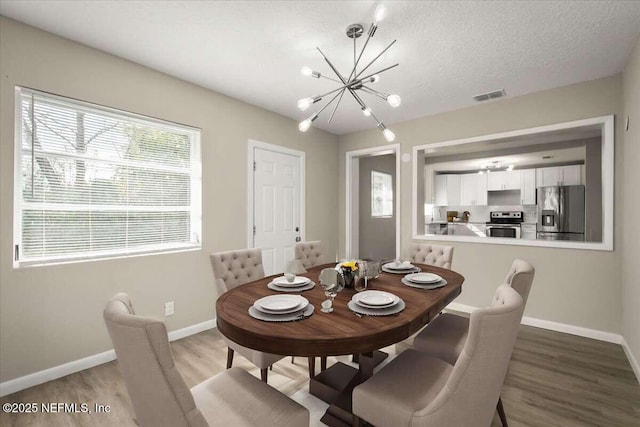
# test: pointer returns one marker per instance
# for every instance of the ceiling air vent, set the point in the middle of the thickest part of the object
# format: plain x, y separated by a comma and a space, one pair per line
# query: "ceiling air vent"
490, 95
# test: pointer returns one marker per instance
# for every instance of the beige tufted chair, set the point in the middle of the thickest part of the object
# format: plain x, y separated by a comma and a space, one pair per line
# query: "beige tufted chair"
445, 337
440, 256
308, 254
232, 269
160, 396
416, 389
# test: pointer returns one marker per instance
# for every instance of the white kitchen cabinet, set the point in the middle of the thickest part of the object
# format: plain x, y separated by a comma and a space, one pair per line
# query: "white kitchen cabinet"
528, 186
559, 175
473, 189
447, 190
503, 180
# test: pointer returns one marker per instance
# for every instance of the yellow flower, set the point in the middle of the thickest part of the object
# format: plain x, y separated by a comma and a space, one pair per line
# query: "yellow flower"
353, 265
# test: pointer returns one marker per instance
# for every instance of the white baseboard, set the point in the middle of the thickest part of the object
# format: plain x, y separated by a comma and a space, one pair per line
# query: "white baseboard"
59, 371
632, 360
553, 326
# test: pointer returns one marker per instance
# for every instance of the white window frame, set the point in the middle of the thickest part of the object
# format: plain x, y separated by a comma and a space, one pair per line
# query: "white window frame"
390, 188
18, 205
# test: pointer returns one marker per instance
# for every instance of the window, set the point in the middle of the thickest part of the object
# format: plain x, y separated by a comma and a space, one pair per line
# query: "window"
381, 194
93, 182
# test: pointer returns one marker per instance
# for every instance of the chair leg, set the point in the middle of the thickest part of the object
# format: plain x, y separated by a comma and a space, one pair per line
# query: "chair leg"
312, 367
323, 363
263, 374
357, 421
271, 367
501, 414
293, 360
229, 357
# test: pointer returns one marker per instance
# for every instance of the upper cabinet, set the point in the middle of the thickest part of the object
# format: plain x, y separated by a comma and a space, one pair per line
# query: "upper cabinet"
503, 180
473, 189
528, 186
559, 175
447, 190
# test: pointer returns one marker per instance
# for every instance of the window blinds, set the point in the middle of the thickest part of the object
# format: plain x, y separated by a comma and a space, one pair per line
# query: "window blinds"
94, 182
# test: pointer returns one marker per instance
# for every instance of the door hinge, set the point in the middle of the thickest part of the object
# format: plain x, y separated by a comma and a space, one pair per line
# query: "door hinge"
254, 230
254, 166
17, 253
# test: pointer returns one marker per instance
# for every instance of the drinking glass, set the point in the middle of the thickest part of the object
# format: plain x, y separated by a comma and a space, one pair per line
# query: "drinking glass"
363, 276
332, 283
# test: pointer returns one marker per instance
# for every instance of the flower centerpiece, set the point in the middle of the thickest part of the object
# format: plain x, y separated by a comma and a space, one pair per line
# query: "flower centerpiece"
349, 270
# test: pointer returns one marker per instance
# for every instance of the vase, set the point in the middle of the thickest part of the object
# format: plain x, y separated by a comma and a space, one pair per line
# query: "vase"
349, 277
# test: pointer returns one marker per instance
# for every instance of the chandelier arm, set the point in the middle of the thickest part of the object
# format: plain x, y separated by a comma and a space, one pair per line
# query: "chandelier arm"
366, 42
354, 53
357, 98
375, 59
344, 82
374, 92
329, 78
336, 107
327, 104
379, 72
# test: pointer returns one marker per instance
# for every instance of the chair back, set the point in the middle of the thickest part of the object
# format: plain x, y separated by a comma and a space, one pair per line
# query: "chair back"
438, 255
158, 393
520, 277
472, 390
234, 268
309, 254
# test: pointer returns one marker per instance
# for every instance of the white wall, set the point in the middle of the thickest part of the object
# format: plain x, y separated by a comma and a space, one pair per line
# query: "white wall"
631, 207
575, 287
53, 315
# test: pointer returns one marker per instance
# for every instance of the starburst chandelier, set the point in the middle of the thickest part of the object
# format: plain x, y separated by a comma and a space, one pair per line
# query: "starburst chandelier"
355, 83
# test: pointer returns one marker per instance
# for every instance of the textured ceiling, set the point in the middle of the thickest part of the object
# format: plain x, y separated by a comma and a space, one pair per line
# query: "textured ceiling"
448, 51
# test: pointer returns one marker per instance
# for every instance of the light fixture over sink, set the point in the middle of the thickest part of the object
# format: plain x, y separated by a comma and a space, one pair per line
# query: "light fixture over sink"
354, 82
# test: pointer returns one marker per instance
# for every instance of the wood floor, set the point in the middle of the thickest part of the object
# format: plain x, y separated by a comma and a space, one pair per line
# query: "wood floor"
554, 379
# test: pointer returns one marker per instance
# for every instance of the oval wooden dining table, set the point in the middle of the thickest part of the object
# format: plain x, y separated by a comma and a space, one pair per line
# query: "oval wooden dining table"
337, 333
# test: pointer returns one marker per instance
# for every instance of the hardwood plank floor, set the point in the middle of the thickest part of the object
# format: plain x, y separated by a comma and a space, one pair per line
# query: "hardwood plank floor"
554, 379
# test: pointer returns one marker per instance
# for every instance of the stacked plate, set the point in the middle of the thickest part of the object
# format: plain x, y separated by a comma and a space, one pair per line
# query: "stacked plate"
424, 280
281, 308
397, 267
376, 303
298, 284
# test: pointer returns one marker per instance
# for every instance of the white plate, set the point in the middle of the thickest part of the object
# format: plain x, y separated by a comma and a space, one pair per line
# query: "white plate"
423, 278
402, 266
281, 304
386, 311
298, 315
304, 287
375, 299
424, 285
298, 281
392, 271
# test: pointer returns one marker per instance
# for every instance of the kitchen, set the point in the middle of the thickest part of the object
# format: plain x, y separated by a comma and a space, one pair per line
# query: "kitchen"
549, 189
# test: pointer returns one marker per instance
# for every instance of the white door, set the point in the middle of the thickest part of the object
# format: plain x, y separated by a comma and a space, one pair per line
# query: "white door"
276, 197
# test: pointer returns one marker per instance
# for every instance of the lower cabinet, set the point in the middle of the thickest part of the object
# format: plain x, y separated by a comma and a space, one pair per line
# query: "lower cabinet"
528, 231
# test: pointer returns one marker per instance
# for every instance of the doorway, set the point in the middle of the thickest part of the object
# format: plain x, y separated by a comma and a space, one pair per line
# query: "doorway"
373, 203
276, 203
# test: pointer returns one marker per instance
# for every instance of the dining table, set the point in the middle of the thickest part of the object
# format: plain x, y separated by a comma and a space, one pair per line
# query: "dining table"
340, 332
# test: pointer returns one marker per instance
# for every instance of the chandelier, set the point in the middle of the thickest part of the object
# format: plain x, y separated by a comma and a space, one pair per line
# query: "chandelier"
355, 83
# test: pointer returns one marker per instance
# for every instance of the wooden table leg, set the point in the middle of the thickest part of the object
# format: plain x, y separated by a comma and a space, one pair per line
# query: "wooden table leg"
312, 367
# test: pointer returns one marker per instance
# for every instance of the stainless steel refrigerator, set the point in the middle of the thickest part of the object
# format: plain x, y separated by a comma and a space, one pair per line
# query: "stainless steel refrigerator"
561, 213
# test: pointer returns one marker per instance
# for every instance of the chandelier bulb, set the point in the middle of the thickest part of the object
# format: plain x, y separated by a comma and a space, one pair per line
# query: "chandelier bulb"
394, 100
304, 103
304, 125
388, 135
306, 71
366, 111
380, 13
374, 79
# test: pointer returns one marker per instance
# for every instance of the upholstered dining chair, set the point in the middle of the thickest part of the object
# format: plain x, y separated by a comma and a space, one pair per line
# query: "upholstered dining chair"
232, 269
308, 254
420, 390
446, 335
160, 396
438, 255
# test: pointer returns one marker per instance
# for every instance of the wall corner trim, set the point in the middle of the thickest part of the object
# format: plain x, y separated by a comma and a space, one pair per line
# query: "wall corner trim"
632, 360
74, 366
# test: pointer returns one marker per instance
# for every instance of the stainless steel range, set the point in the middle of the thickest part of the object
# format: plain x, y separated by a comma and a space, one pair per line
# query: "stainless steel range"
505, 224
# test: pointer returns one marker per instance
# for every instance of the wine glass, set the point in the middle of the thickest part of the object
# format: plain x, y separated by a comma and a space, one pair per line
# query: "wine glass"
332, 282
363, 276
